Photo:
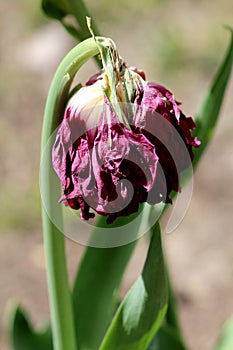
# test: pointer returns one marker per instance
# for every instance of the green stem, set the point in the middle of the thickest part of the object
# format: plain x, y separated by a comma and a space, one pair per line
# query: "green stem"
59, 293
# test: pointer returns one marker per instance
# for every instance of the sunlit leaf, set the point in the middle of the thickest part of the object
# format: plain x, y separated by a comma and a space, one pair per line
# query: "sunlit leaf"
208, 115
142, 311
225, 341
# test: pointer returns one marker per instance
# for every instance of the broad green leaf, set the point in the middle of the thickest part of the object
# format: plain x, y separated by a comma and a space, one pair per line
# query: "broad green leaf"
96, 287
166, 339
23, 337
95, 293
208, 115
169, 335
143, 309
225, 341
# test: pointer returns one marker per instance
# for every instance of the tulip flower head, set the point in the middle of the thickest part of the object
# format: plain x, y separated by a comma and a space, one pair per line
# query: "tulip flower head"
123, 141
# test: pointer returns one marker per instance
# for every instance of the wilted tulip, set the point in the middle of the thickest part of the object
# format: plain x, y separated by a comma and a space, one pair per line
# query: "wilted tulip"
113, 154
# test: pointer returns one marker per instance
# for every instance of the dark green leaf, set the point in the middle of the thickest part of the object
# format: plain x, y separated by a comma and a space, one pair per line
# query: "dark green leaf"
55, 8
172, 319
225, 341
142, 311
23, 337
209, 112
71, 30
166, 339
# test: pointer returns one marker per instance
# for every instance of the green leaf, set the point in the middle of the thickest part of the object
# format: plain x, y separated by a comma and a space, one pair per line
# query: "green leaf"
225, 341
208, 115
96, 287
73, 11
169, 335
166, 339
55, 8
142, 311
61, 11
172, 317
23, 337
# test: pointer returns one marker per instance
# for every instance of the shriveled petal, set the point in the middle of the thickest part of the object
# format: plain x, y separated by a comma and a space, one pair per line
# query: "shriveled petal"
160, 119
128, 156
112, 166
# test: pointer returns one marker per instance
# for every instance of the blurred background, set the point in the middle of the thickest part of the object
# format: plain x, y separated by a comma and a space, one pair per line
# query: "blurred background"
178, 44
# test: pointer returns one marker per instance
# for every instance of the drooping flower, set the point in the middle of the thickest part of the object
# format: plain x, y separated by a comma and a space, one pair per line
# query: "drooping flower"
113, 154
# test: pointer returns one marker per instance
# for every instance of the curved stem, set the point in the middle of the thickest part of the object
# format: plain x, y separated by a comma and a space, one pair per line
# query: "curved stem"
59, 293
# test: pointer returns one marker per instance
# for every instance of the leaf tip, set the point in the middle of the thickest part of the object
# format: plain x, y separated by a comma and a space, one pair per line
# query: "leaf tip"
228, 27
